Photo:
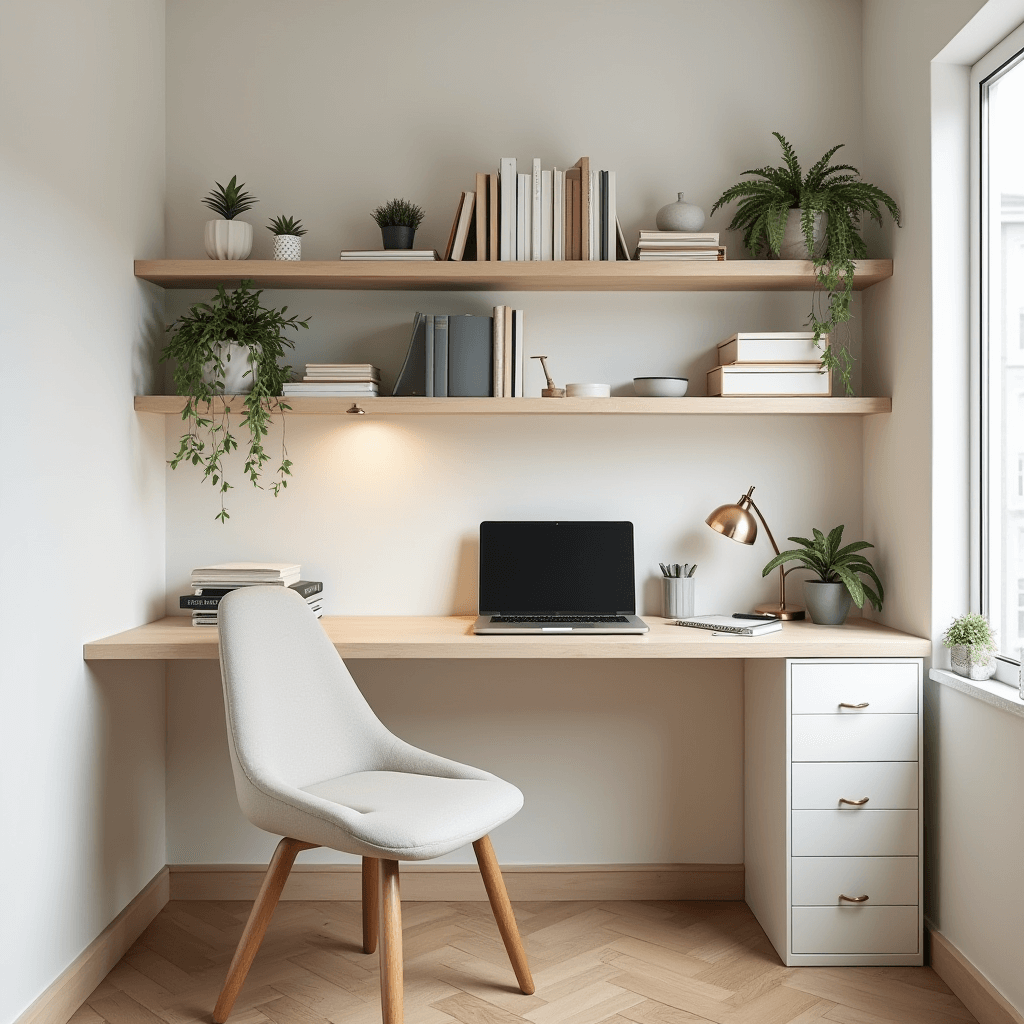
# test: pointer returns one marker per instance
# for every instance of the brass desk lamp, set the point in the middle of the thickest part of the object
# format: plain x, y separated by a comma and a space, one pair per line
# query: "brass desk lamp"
736, 523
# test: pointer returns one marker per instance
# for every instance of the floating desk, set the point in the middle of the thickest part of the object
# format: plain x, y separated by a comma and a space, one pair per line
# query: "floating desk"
832, 714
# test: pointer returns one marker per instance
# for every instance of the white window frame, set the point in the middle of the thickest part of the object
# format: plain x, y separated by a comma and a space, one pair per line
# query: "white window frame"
1005, 54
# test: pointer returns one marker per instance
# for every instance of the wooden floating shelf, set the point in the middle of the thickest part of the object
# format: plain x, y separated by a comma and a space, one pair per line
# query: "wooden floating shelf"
546, 276
173, 404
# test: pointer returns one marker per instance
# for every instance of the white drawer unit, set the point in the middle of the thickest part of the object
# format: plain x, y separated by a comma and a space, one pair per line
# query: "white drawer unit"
832, 810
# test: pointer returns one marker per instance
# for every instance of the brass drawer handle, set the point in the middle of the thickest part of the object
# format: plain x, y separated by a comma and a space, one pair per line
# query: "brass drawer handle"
855, 803
853, 899
856, 707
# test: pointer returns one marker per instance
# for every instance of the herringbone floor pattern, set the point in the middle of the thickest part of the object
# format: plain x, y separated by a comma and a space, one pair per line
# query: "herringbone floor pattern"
646, 963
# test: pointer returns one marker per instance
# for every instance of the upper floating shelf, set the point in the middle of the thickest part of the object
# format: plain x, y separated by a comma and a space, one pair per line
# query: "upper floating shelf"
541, 276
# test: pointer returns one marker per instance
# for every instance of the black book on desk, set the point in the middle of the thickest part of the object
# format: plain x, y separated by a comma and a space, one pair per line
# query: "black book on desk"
210, 597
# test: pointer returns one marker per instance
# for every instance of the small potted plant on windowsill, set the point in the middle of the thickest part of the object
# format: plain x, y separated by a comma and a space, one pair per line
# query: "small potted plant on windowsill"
839, 570
971, 645
398, 221
288, 234
229, 239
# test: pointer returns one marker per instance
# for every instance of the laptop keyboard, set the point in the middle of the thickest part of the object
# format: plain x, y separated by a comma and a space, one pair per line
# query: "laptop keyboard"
512, 619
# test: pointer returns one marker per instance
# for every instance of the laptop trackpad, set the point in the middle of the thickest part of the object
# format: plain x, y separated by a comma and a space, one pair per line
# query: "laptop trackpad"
568, 629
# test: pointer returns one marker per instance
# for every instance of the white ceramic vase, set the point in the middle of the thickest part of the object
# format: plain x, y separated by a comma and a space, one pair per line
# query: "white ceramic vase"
794, 245
228, 239
965, 663
680, 216
287, 247
236, 359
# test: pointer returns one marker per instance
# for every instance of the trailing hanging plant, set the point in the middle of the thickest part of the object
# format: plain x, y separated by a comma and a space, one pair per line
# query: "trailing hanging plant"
229, 200
199, 346
834, 564
398, 213
834, 190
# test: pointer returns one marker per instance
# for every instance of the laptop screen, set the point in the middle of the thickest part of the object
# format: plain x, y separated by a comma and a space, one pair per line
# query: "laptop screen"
556, 568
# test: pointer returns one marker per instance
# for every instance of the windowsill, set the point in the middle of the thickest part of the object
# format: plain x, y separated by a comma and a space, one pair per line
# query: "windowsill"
991, 691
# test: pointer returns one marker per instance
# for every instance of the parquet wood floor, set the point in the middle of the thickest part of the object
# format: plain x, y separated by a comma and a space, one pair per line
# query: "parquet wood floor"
619, 963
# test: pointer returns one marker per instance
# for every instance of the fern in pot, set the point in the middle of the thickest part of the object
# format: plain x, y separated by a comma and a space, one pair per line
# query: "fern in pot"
791, 215
229, 350
971, 644
839, 570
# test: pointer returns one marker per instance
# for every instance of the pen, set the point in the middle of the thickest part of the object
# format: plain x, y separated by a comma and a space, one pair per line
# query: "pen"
754, 615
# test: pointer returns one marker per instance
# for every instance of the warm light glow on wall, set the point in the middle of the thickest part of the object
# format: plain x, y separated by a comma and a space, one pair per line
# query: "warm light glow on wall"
373, 447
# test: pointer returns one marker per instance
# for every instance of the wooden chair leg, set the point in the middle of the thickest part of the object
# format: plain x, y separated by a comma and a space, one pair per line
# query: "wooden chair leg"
502, 908
371, 905
390, 944
256, 926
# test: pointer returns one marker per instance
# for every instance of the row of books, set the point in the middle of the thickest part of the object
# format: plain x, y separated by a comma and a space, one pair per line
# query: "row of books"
324, 379
679, 245
552, 214
465, 356
211, 582
784, 364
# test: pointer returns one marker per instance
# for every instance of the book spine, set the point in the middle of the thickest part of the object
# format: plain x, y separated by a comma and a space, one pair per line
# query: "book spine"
428, 369
546, 216
536, 219
518, 354
480, 220
610, 221
506, 374
412, 375
498, 351
585, 208
307, 588
493, 206
440, 356
593, 224
455, 227
558, 215
507, 181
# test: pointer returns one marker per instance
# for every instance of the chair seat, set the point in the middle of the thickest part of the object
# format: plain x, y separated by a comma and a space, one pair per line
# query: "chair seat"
403, 816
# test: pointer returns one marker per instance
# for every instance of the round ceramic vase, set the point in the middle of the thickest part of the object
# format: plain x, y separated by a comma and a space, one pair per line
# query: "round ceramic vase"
794, 244
228, 239
965, 663
236, 364
827, 603
680, 216
287, 247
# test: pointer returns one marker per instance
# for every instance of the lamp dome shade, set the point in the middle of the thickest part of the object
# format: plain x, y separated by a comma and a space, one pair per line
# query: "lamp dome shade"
734, 522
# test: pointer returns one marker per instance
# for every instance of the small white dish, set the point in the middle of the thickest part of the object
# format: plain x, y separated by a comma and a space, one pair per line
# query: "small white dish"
661, 387
588, 390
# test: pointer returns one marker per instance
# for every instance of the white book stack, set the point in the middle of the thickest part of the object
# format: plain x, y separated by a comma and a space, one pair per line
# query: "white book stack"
782, 364
326, 379
211, 583
680, 245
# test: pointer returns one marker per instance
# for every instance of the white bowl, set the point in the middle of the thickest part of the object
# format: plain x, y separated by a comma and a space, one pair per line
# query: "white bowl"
660, 387
588, 390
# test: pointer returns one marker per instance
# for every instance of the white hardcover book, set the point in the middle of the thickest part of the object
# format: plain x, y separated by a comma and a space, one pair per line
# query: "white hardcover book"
546, 214
507, 224
498, 350
518, 354
755, 379
593, 220
792, 347
523, 217
610, 220
558, 215
536, 190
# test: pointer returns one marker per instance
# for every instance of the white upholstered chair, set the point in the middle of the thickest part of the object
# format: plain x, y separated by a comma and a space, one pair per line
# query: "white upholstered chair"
314, 764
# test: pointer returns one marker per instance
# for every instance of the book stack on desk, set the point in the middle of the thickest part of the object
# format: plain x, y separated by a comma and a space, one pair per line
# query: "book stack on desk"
358, 379
210, 583
786, 364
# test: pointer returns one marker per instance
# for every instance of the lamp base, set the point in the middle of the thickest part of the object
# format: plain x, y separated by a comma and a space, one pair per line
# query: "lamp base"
787, 614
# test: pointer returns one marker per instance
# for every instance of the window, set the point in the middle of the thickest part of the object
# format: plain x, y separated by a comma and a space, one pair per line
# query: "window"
999, 232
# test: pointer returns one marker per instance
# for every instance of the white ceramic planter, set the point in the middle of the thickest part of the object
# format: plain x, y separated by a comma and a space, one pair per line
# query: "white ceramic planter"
236, 364
794, 245
287, 247
228, 239
971, 667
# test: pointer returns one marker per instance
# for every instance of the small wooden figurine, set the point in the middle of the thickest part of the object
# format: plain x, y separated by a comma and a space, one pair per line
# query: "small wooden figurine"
550, 391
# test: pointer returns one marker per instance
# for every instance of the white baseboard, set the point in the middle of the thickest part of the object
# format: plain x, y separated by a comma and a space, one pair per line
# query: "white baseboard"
969, 985
428, 882
74, 985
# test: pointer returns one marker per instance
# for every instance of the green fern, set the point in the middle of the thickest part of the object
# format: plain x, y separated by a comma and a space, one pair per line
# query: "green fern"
834, 190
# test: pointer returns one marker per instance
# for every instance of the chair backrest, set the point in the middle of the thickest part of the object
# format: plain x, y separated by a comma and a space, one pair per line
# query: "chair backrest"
294, 713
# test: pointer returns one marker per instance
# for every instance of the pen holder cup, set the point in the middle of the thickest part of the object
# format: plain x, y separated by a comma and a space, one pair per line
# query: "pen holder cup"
677, 596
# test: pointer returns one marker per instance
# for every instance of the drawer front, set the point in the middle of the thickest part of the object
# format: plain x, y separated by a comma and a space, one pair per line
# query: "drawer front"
888, 785
854, 833
854, 737
886, 689
886, 881
855, 929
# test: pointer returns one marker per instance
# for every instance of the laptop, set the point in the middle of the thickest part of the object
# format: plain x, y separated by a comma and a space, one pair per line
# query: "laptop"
557, 578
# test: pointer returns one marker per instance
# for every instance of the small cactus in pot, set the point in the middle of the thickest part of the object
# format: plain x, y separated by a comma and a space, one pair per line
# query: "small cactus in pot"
288, 234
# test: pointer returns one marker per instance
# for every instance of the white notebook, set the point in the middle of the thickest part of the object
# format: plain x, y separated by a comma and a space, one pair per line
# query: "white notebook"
727, 624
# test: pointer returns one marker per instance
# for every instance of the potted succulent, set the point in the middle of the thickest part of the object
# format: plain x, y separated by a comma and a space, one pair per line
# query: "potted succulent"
398, 221
839, 570
229, 239
288, 234
230, 346
816, 216
971, 645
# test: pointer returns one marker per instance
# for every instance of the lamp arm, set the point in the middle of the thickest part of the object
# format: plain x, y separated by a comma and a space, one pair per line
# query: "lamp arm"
782, 571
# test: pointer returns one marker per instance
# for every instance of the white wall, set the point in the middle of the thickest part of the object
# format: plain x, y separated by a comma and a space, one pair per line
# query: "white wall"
386, 512
82, 500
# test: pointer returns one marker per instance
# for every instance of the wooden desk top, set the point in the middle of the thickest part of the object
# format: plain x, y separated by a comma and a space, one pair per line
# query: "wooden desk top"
176, 639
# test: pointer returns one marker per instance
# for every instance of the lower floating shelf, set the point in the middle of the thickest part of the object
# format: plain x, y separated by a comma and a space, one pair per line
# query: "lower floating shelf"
173, 404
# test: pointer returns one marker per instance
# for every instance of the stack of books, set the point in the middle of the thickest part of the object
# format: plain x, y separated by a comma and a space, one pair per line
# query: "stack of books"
465, 356
390, 254
784, 364
323, 379
538, 215
679, 245
211, 582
